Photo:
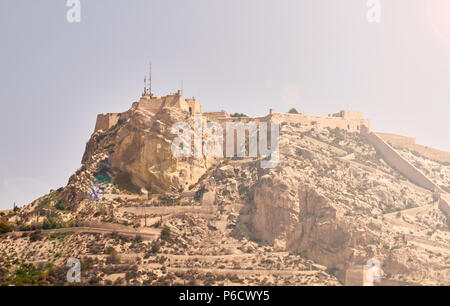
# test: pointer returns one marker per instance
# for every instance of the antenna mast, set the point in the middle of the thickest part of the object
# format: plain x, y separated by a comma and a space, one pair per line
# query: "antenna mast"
150, 80
145, 85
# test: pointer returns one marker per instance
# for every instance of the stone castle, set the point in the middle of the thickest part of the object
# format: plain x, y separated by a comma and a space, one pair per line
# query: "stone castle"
154, 104
351, 121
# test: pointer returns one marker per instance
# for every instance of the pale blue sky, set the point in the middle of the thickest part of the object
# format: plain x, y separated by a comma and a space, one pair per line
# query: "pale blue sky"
236, 55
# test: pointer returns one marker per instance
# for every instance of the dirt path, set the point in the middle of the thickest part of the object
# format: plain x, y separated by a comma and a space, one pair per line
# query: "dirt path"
236, 271
412, 211
142, 210
149, 234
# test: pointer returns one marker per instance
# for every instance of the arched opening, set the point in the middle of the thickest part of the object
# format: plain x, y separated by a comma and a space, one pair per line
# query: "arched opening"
190, 110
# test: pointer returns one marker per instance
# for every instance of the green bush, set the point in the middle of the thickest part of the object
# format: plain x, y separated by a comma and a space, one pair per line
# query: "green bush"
138, 238
35, 236
238, 115
5, 227
293, 111
60, 235
155, 247
26, 274
165, 233
109, 250
52, 223
25, 228
60, 205
113, 258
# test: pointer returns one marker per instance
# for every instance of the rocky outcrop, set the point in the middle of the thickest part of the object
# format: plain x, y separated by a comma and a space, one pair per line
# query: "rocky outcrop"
295, 217
136, 154
343, 212
143, 159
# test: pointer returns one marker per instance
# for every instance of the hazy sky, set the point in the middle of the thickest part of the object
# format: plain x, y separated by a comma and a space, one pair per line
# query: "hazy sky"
319, 56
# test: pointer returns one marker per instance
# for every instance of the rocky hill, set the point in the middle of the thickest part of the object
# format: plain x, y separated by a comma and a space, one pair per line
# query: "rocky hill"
134, 214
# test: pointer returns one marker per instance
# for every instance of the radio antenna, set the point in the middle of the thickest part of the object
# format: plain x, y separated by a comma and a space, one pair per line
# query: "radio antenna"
150, 80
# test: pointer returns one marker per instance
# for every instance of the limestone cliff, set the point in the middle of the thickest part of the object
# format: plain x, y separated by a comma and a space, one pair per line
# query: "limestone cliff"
334, 200
136, 154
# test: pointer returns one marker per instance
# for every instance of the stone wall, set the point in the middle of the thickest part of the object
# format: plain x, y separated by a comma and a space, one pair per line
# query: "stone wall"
194, 106
155, 103
396, 161
397, 141
215, 116
223, 121
444, 206
106, 121
346, 114
403, 142
349, 124
357, 276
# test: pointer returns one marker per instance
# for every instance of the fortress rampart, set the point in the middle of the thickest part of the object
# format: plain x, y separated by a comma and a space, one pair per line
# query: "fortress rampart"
106, 121
444, 205
396, 161
346, 122
215, 116
154, 103
403, 142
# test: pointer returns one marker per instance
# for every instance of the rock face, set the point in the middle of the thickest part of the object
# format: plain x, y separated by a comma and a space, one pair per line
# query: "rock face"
136, 154
143, 154
294, 217
343, 212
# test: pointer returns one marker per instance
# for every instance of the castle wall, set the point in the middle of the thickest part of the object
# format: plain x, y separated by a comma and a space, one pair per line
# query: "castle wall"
151, 104
106, 121
351, 125
352, 115
397, 140
155, 103
444, 206
215, 116
403, 142
223, 118
175, 101
194, 105
396, 161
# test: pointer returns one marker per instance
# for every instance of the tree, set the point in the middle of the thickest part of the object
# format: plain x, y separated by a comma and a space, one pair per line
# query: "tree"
237, 115
293, 111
